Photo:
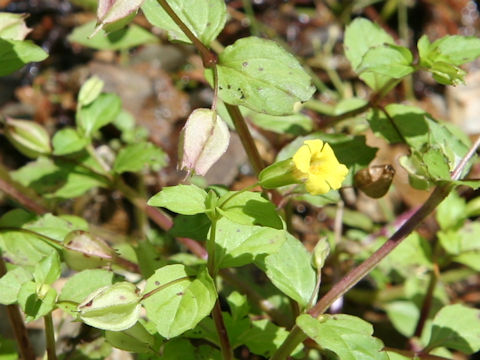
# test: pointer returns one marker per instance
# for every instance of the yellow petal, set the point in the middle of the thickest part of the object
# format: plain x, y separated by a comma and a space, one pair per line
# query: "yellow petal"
315, 145
301, 159
316, 185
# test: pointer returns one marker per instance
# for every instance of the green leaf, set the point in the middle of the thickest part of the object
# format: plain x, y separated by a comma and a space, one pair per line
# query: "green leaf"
413, 253
80, 285
404, 316
135, 339
136, 157
54, 227
205, 18
191, 226
36, 300
48, 270
125, 38
16, 53
24, 249
262, 76
67, 141
182, 199
249, 208
296, 124
453, 49
99, 113
264, 338
347, 336
456, 327
290, 270
360, 36
10, 285
389, 60
114, 307
238, 245
452, 212
180, 306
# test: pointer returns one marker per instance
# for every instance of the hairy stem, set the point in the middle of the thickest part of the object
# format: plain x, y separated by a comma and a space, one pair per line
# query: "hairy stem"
18, 326
50, 337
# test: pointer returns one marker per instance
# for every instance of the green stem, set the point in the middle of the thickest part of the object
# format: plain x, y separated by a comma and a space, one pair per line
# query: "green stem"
247, 6
15, 319
209, 58
246, 138
50, 337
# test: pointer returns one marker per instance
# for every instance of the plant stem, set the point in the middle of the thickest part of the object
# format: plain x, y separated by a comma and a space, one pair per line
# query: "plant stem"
18, 326
427, 301
19, 193
50, 337
227, 351
246, 138
209, 58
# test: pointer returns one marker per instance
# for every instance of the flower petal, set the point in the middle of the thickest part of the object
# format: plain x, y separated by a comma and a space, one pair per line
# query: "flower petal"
301, 159
316, 185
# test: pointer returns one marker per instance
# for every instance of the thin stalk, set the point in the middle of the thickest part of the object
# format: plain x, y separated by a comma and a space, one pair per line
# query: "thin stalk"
254, 28
246, 138
225, 347
19, 193
50, 337
18, 326
427, 301
209, 58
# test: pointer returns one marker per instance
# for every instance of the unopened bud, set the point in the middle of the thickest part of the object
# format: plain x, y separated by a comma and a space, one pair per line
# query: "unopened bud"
85, 251
115, 307
28, 137
204, 138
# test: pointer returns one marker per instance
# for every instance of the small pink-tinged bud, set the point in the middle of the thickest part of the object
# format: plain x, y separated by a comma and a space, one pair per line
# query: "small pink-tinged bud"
203, 140
85, 251
115, 14
28, 137
13, 27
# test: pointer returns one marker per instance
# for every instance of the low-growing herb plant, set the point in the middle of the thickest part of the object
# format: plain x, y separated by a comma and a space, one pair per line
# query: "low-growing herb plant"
204, 305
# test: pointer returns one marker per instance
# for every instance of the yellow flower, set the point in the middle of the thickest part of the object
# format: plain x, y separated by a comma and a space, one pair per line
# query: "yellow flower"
316, 164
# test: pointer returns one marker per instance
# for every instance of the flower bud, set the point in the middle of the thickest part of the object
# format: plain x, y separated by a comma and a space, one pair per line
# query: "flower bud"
115, 307
320, 253
84, 251
204, 138
28, 137
114, 15
278, 174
